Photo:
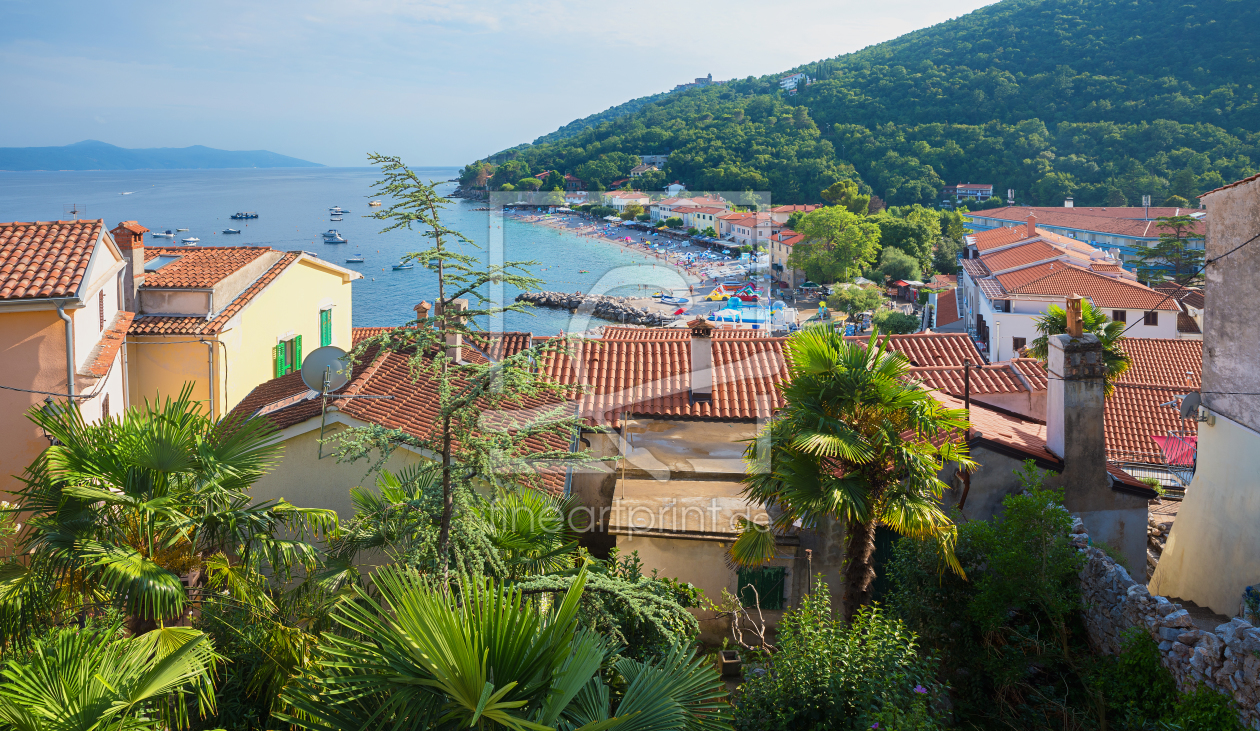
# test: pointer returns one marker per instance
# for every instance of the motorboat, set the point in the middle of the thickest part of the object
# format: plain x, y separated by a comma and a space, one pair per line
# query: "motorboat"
408, 265
231, 230
241, 215
335, 219
337, 239
191, 240
338, 210
180, 229
168, 234
374, 203
354, 260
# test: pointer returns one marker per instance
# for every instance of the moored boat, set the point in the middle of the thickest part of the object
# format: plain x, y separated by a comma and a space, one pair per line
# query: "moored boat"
231, 230
241, 215
408, 265
168, 234
190, 240
354, 260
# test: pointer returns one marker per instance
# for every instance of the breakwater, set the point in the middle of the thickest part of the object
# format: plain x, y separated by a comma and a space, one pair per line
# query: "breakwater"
614, 309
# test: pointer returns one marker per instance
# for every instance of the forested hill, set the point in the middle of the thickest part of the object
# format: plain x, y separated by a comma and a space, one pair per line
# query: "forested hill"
1105, 100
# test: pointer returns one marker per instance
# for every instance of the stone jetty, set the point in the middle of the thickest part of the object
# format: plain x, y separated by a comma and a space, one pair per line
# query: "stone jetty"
615, 309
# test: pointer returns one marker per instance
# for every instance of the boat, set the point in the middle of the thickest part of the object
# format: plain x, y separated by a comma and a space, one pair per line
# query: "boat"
354, 260
190, 240
180, 229
335, 219
408, 265
231, 230
338, 210
338, 239
169, 234
241, 215
374, 203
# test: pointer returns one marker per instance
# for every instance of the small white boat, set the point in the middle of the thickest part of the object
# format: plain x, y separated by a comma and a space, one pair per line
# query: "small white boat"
191, 240
354, 260
167, 235
332, 237
231, 230
181, 229
374, 203
408, 265
335, 219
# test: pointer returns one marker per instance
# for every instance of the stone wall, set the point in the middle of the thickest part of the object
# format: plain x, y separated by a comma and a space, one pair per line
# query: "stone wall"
1225, 659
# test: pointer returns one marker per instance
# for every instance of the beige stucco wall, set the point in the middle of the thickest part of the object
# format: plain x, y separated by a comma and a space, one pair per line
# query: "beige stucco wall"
304, 479
33, 351
1213, 551
158, 367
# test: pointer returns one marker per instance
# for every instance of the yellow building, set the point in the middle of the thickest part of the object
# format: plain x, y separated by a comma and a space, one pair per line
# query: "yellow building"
227, 318
62, 324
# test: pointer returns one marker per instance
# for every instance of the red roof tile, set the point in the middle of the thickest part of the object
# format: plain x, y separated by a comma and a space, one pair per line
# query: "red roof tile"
993, 238
1061, 279
198, 267
989, 379
947, 308
1120, 222
1164, 362
1135, 413
932, 349
179, 325
134, 227
45, 258
1033, 251
359, 334
111, 340
1033, 371
1192, 296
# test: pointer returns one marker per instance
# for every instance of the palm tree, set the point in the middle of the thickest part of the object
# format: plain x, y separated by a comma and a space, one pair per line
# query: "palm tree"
81, 681
474, 654
1054, 322
859, 442
117, 512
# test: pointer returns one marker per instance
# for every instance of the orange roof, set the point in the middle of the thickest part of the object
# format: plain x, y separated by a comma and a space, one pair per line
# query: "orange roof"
946, 308
1121, 222
704, 209
985, 379
993, 238
1016, 256
1192, 296
180, 325
1062, 279
111, 340
931, 349
134, 227
198, 267
794, 208
359, 334
1234, 184
45, 258
1164, 361
1033, 371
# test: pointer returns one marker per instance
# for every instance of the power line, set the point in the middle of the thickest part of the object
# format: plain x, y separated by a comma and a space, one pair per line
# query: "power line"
50, 393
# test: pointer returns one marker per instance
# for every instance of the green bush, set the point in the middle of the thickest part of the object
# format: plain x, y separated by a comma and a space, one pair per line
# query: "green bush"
1204, 710
826, 675
894, 322
1138, 689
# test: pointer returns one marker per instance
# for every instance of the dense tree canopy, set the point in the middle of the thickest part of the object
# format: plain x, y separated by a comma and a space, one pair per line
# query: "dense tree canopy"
1102, 100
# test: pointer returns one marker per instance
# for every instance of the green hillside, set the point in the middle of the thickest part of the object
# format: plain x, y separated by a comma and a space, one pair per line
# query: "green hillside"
1105, 100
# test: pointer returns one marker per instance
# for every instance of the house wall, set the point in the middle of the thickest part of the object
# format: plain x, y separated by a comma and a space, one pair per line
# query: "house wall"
158, 367
33, 351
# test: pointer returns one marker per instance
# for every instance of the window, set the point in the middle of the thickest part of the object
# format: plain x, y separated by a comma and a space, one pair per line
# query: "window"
288, 356
325, 327
768, 582
1002, 305
1150, 318
1019, 343
1119, 316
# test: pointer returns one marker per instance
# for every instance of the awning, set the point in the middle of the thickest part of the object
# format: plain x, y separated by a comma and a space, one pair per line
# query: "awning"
1178, 451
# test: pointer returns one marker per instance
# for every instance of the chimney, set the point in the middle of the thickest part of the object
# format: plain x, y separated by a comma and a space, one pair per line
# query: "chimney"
1030, 228
1067, 202
1074, 409
701, 360
129, 235
454, 340
422, 310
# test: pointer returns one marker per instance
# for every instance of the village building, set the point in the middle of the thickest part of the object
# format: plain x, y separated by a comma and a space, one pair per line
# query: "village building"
1213, 552
968, 191
638, 170
224, 319
701, 217
63, 321
746, 228
1011, 276
781, 214
619, 199
781, 244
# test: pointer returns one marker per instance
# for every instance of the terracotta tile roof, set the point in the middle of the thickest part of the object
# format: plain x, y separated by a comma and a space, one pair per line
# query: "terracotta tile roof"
1135, 413
1234, 184
1061, 279
1128, 222
619, 332
359, 334
1102, 267
178, 325
1186, 324
1028, 437
134, 227
502, 345
787, 237
413, 408
932, 349
945, 279
1033, 251
990, 379
993, 238
795, 208
107, 347
976, 268
198, 267
45, 258
1165, 362
1192, 296
946, 308
706, 209
1032, 370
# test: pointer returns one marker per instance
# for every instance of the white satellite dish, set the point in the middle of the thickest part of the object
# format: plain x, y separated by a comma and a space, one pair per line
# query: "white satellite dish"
1190, 405
326, 369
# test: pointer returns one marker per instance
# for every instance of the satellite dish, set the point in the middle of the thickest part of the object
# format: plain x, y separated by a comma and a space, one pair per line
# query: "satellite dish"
1190, 406
328, 364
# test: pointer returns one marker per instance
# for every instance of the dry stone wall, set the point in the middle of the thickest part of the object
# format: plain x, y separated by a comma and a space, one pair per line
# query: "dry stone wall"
1226, 659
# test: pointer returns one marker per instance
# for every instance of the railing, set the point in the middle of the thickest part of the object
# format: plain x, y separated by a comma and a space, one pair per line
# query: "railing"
1153, 466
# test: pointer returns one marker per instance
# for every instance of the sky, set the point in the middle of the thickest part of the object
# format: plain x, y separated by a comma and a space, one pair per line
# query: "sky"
438, 83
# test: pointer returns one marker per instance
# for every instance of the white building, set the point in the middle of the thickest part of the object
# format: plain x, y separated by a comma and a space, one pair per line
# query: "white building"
790, 82
1013, 275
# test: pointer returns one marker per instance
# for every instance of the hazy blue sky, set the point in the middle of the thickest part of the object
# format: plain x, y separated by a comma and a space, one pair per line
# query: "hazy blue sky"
440, 83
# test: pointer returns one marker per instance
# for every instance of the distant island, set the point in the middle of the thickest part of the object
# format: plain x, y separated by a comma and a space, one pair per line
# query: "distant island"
94, 155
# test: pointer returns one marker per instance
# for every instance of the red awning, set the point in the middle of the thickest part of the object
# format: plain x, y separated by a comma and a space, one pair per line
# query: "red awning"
900, 283
1178, 450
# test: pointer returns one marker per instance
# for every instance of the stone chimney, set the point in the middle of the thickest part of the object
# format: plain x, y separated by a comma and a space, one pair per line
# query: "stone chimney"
422, 310
701, 360
454, 340
1030, 228
1074, 411
129, 235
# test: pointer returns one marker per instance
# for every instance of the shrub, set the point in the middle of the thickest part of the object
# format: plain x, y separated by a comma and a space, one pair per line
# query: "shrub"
826, 675
1204, 710
894, 322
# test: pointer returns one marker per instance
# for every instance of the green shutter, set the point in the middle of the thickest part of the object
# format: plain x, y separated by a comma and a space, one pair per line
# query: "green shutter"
769, 583
297, 353
325, 328
277, 355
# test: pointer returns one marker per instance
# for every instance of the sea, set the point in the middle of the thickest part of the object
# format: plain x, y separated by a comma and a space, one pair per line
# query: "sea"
292, 206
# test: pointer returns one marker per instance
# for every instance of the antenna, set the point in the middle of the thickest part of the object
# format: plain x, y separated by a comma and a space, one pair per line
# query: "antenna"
324, 370
74, 210
1190, 405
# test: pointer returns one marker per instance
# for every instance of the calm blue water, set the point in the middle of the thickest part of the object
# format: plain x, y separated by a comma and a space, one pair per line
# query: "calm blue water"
293, 211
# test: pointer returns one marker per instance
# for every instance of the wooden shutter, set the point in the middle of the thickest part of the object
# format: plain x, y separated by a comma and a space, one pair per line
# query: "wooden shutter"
325, 328
769, 582
297, 354
278, 357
